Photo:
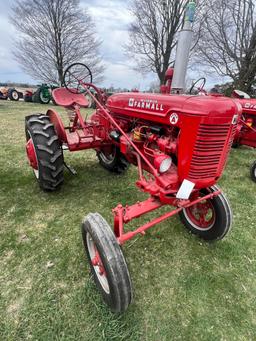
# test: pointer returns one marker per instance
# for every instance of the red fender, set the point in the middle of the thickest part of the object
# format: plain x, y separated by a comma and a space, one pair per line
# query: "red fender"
58, 125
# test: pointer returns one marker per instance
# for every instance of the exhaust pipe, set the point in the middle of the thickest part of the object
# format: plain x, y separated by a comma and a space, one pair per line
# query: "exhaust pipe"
183, 49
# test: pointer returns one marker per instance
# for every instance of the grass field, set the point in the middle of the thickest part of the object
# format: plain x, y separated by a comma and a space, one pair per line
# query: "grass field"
185, 289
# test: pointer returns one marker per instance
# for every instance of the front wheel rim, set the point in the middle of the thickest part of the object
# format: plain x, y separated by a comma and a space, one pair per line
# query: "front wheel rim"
108, 158
97, 264
201, 216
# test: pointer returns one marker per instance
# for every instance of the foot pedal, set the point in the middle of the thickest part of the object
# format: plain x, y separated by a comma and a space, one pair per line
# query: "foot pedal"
70, 169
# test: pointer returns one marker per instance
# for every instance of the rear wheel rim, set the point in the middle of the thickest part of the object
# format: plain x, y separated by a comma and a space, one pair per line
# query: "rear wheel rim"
36, 171
97, 264
15, 95
201, 216
43, 98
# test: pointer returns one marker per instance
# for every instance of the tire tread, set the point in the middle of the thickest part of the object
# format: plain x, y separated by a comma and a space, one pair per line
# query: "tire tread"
100, 231
48, 151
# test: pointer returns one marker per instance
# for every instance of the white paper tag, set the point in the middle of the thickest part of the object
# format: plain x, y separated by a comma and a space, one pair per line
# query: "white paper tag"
185, 189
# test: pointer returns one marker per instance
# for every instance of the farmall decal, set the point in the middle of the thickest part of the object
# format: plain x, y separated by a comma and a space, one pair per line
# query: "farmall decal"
145, 104
249, 105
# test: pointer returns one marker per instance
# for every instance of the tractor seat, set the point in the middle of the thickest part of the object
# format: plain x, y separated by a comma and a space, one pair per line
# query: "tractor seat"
67, 99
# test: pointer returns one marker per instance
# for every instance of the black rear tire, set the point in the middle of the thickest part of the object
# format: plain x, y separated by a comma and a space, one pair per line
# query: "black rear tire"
253, 171
42, 99
13, 95
39, 98
219, 225
48, 151
107, 262
113, 161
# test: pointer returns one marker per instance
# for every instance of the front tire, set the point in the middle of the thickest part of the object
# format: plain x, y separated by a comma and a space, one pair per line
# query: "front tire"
44, 152
113, 160
253, 171
210, 219
107, 262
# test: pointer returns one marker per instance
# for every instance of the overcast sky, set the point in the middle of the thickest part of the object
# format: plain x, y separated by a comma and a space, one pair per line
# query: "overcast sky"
111, 18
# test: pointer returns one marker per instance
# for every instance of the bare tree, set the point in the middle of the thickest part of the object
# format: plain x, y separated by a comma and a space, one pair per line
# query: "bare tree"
153, 34
54, 34
228, 41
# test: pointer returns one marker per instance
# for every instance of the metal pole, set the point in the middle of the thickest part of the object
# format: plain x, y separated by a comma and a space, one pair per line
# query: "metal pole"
183, 49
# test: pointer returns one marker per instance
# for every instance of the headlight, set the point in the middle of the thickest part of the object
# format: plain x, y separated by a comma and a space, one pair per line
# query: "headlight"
162, 163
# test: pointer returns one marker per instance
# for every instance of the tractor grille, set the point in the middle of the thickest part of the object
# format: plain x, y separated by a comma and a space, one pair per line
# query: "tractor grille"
208, 158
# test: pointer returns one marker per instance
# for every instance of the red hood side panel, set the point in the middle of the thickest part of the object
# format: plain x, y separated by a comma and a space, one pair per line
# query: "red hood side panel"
248, 105
158, 107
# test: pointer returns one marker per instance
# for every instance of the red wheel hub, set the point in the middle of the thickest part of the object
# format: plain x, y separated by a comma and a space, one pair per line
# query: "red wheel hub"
96, 261
31, 154
202, 214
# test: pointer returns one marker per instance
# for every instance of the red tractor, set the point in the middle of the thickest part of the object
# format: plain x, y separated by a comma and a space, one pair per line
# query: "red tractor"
179, 144
246, 130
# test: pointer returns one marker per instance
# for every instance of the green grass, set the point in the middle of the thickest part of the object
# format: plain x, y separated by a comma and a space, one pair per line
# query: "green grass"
185, 289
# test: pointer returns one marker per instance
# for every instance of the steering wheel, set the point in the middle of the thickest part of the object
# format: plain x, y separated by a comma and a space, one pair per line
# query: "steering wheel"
203, 80
77, 78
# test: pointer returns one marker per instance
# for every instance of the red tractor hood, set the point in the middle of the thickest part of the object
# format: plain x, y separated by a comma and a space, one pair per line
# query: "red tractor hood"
160, 108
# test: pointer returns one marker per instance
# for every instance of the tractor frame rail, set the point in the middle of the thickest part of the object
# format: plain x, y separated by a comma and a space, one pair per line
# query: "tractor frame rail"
123, 215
